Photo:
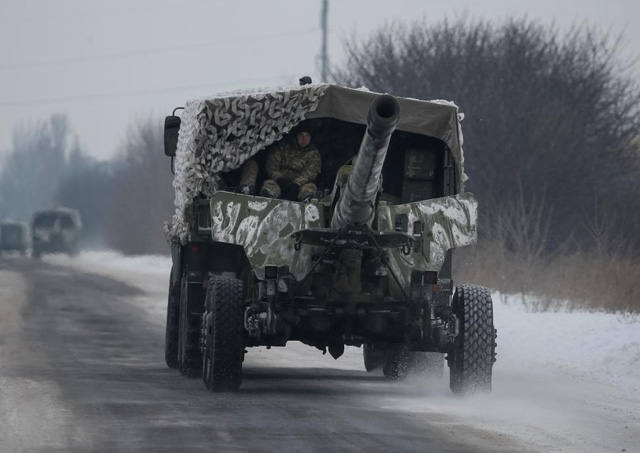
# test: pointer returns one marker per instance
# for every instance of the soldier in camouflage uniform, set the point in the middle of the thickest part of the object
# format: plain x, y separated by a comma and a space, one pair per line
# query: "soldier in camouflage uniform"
248, 177
292, 167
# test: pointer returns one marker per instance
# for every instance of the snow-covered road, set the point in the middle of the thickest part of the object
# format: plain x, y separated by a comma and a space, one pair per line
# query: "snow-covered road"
563, 381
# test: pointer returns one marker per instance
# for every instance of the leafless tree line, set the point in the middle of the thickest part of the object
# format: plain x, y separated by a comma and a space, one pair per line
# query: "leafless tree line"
548, 114
129, 198
30, 173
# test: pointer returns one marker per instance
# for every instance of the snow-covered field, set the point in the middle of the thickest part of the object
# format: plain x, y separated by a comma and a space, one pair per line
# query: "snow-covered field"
563, 381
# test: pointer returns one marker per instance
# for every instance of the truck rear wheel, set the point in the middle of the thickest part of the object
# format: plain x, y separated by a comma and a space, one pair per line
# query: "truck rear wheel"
471, 359
172, 326
373, 358
189, 356
223, 334
398, 362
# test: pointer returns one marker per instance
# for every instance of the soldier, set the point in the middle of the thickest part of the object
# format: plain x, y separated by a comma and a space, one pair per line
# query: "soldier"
292, 168
248, 177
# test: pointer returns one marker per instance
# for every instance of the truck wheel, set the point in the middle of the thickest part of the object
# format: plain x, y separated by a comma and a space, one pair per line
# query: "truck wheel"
373, 358
172, 327
471, 359
223, 334
398, 362
189, 356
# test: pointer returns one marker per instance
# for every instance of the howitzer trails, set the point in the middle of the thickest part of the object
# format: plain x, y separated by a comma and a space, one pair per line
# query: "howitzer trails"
363, 258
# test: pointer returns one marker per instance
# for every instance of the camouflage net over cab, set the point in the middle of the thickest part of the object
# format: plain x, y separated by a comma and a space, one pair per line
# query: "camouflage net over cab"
218, 135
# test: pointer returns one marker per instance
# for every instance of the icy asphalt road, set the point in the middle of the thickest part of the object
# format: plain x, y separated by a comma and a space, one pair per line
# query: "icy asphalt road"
81, 369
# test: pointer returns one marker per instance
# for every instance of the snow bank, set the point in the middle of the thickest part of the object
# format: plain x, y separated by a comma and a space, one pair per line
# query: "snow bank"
596, 346
115, 264
147, 272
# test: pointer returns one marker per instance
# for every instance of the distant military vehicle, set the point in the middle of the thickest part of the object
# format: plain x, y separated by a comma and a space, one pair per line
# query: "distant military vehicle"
365, 263
55, 231
13, 237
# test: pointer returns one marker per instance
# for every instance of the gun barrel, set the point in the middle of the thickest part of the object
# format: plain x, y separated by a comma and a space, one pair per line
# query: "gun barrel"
357, 204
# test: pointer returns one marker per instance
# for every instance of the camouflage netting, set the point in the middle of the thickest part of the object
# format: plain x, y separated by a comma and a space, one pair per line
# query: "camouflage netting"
218, 135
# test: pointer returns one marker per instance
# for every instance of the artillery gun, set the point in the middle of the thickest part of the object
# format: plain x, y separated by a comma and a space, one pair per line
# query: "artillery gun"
366, 263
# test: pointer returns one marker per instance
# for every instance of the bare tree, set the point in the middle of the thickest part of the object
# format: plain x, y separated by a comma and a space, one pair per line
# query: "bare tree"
555, 111
523, 226
85, 186
33, 168
124, 202
140, 195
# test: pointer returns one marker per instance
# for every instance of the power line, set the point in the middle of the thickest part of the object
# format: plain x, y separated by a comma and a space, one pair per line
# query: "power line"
141, 52
80, 98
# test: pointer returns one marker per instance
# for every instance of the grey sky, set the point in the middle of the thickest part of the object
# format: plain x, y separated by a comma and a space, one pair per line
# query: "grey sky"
106, 64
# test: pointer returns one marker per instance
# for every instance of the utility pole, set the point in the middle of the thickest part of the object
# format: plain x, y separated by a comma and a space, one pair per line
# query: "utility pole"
324, 57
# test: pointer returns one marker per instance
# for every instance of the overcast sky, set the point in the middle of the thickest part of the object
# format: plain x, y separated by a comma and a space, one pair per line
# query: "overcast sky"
106, 64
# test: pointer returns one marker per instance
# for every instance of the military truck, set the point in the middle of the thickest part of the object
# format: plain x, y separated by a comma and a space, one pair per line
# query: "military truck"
13, 237
55, 231
367, 262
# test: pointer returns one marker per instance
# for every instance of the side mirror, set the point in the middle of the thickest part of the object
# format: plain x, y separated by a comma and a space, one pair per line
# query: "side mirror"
171, 128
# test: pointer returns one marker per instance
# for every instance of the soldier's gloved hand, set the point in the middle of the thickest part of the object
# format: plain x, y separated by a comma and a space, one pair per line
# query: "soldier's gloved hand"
295, 191
246, 189
289, 188
284, 183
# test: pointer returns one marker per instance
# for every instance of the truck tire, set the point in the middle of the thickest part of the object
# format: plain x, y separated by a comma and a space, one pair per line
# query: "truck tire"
472, 356
398, 363
223, 334
172, 326
189, 356
373, 358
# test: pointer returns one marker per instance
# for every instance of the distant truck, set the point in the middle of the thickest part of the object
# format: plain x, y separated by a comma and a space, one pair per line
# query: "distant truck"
55, 231
13, 237
366, 262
